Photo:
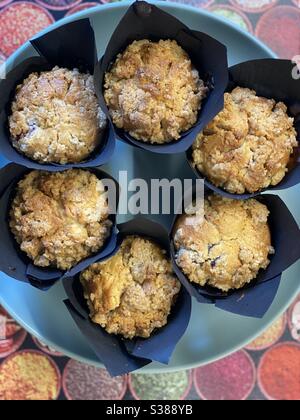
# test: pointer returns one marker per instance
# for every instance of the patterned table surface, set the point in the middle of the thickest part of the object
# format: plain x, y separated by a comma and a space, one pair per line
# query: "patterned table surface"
268, 368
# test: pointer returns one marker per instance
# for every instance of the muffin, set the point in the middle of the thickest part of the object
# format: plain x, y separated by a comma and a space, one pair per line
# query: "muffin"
153, 92
227, 247
248, 146
55, 117
131, 293
58, 219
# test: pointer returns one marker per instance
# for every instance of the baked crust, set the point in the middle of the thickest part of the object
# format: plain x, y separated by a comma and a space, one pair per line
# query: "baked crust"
228, 246
132, 292
153, 92
60, 218
248, 146
56, 117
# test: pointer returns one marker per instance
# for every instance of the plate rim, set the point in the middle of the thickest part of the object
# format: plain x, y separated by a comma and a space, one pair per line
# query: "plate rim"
90, 12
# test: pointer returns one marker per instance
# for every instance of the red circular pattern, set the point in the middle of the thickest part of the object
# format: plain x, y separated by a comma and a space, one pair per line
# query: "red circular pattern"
280, 29
232, 378
12, 336
11, 345
279, 372
19, 22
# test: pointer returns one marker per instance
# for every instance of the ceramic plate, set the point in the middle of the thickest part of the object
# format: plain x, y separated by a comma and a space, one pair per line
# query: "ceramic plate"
212, 333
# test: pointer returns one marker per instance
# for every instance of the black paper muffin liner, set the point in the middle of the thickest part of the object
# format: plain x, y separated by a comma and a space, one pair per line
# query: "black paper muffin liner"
121, 356
255, 299
146, 21
70, 46
13, 261
272, 79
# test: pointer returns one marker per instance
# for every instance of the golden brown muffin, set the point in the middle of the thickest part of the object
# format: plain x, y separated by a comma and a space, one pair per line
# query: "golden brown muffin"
131, 293
248, 146
56, 117
60, 218
153, 92
228, 246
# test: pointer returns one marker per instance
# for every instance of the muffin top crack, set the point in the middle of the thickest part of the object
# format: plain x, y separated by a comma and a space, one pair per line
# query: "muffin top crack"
153, 91
228, 247
55, 117
58, 219
248, 146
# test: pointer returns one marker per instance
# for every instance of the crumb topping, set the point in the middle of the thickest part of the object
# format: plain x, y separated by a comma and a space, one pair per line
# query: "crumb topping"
228, 246
248, 146
60, 218
132, 292
153, 92
56, 117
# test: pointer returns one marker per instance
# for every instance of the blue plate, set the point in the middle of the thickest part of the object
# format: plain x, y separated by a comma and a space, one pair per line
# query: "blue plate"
213, 333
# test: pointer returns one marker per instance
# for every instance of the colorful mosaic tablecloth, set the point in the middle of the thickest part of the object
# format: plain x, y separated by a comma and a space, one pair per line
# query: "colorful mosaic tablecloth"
267, 369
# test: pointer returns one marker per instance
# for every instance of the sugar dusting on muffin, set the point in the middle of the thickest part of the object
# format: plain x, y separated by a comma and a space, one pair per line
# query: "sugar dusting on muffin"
55, 117
58, 219
131, 293
153, 91
248, 146
228, 246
